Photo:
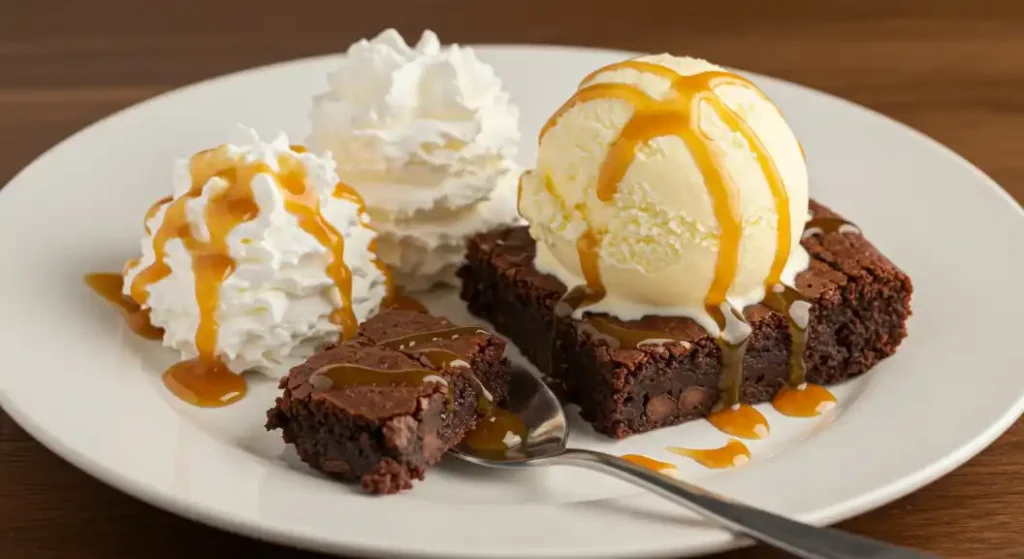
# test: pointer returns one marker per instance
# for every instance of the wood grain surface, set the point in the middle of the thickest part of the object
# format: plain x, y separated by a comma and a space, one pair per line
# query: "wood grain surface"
951, 68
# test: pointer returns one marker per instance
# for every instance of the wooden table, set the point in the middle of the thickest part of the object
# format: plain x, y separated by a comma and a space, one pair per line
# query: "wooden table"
952, 69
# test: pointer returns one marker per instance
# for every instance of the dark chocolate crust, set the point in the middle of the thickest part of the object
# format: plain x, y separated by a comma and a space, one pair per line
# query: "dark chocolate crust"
861, 304
386, 436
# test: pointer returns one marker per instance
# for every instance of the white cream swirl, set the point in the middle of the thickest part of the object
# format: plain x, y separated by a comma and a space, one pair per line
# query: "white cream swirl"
277, 303
420, 132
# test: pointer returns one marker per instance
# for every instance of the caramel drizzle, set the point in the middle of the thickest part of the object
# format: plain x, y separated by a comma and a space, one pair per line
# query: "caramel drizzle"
679, 115
805, 400
409, 342
492, 428
618, 336
734, 453
796, 310
111, 287
493, 422
648, 463
206, 380
340, 375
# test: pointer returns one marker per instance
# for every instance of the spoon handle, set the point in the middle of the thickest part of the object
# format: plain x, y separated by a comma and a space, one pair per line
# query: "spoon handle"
801, 540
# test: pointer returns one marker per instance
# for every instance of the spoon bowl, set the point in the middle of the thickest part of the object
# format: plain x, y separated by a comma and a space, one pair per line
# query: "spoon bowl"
544, 420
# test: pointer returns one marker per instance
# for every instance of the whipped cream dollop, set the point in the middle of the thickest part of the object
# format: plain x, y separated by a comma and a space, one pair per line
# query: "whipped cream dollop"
427, 136
278, 300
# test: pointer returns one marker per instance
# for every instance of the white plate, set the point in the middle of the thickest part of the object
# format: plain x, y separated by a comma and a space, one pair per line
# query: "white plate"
88, 389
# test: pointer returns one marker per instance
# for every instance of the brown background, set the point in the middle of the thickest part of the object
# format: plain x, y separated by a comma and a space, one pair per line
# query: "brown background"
951, 68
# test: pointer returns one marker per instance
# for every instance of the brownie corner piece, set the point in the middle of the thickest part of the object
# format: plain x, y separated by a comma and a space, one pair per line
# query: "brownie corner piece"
860, 299
385, 434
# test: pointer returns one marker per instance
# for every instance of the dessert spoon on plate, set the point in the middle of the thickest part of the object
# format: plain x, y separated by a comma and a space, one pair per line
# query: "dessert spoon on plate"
536, 405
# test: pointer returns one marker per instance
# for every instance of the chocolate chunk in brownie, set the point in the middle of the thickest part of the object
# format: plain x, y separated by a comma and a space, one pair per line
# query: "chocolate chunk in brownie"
861, 302
379, 412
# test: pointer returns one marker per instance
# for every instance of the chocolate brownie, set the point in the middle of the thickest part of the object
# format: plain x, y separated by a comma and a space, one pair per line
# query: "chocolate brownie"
861, 302
382, 407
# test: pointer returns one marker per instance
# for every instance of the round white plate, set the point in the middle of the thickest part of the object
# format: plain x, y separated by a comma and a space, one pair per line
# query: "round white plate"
77, 380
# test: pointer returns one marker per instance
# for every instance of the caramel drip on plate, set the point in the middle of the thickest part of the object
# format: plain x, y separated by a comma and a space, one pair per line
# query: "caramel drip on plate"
110, 286
649, 463
740, 420
734, 453
206, 380
805, 400
731, 416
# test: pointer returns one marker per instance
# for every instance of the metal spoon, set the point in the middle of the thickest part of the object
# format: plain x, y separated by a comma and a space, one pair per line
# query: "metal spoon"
534, 403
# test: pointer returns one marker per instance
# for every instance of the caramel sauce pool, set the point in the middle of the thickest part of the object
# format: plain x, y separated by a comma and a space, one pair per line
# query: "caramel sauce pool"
492, 429
402, 302
806, 400
734, 453
205, 384
740, 420
648, 463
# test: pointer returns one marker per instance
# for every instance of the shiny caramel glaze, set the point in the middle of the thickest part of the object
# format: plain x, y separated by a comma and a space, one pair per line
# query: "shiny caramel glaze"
452, 333
796, 309
110, 287
649, 463
734, 453
493, 422
740, 420
805, 400
492, 428
340, 375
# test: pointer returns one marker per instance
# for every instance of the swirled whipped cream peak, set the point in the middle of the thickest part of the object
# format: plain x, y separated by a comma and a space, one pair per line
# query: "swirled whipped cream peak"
427, 135
260, 254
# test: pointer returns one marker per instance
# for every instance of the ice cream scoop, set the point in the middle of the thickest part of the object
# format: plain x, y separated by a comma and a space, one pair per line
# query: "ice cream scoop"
259, 255
426, 134
668, 186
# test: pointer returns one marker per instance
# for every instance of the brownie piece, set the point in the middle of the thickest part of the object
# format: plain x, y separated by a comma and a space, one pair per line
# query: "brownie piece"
384, 436
861, 302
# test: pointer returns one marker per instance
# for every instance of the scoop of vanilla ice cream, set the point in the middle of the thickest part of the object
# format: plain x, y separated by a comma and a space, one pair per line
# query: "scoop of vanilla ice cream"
426, 135
658, 235
276, 305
